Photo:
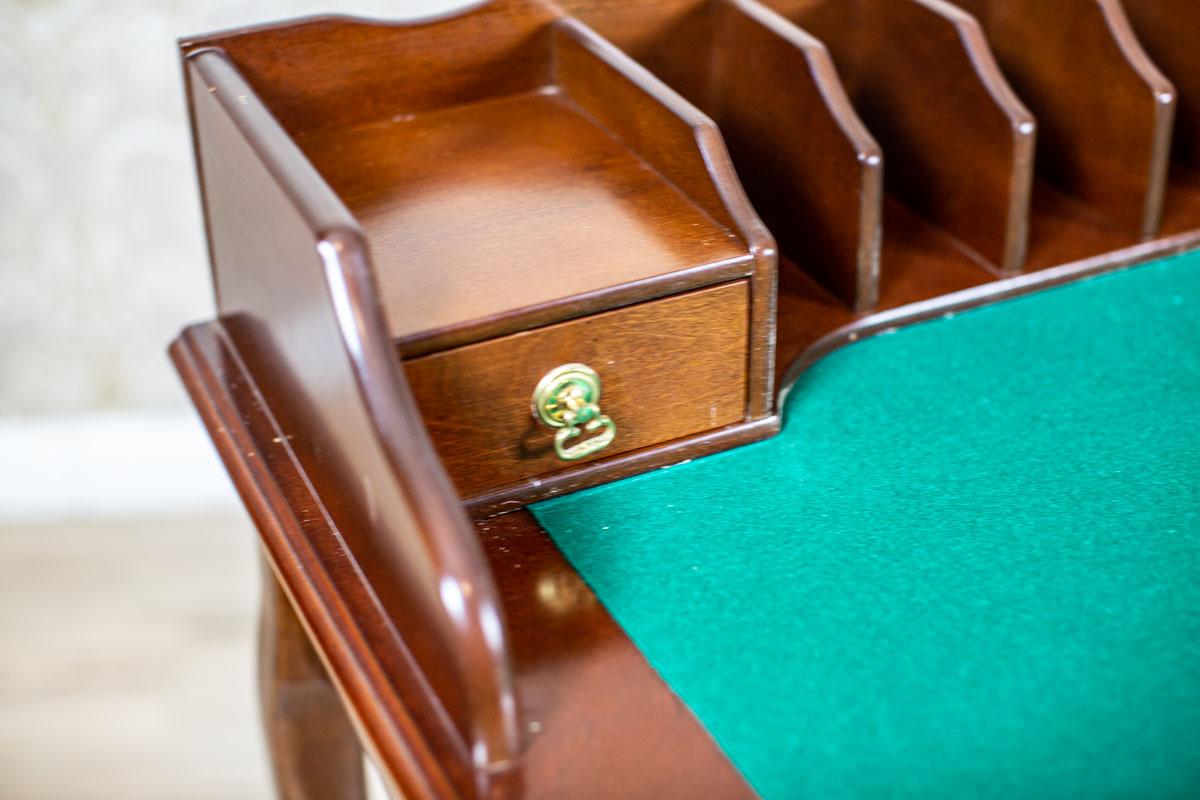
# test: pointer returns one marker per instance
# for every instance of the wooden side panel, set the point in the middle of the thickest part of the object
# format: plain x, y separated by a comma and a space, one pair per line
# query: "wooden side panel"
296, 297
669, 368
1105, 111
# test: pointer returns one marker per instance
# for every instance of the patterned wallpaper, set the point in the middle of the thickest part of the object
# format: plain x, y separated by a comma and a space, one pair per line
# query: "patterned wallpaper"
102, 256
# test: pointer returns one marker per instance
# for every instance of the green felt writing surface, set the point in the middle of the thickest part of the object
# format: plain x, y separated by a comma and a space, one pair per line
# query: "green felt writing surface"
969, 566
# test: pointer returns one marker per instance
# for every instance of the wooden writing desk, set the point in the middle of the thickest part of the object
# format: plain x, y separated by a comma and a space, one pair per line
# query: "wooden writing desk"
411, 224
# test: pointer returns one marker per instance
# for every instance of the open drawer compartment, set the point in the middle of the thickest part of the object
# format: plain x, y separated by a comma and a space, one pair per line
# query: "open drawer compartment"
521, 201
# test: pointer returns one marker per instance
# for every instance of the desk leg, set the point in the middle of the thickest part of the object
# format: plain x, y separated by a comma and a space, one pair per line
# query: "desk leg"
313, 749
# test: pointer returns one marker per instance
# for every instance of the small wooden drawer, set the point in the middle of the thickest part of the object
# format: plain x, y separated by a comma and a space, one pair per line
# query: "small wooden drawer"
669, 368
535, 201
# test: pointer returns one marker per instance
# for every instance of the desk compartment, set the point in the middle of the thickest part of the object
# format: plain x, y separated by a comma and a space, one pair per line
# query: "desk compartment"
534, 200
669, 368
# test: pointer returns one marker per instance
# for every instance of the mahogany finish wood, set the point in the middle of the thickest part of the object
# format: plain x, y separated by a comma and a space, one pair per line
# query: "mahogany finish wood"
298, 304
480, 211
597, 721
576, 671
1169, 29
669, 368
959, 143
588, 185
314, 751
685, 146
809, 165
1105, 110
471, 658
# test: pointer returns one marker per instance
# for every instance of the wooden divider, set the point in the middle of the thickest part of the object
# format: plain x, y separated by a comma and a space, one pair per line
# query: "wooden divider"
1105, 110
1170, 32
810, 167
959, 142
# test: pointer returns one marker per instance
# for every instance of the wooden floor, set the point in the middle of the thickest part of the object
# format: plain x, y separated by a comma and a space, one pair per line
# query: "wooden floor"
126, 662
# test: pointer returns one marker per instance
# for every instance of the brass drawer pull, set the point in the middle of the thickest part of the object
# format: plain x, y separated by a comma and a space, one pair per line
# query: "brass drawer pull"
568, 398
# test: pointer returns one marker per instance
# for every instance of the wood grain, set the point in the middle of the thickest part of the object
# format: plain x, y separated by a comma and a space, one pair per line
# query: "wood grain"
1104, 109
958, 140
283, 247
669, 368
1168, 29
597, 721
542, 139
808, 164
471, 659
485, 210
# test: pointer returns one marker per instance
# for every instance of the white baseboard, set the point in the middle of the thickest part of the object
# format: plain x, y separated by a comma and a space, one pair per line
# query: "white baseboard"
108, 466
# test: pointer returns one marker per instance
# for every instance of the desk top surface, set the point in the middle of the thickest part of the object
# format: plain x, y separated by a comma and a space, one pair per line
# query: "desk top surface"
968, 566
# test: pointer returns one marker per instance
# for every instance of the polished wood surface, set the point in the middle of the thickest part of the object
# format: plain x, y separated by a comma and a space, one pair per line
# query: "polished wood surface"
611, 187
448, 199
314, 750
808, 163
685, 146
669, 368
1104, 109
340, 72
351, 423
597, 722
1168, 30
472, 659
958, 141
602, 723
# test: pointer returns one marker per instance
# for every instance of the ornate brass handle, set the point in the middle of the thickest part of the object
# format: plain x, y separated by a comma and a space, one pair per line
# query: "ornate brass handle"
568, 398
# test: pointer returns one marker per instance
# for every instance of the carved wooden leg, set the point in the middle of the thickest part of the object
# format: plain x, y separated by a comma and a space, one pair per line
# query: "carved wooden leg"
313, 749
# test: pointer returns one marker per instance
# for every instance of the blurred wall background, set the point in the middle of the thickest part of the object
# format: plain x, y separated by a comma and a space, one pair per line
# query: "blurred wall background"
128, 573
100, 235
102, 254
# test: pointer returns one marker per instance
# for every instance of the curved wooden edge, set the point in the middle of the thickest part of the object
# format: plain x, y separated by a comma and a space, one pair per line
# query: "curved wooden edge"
996, 291
599, 722
1024, 131
689, 150
1168, 31
959, 142
511, 498
339, 631
1104, 108
1166, 101
466, 587
412, 486
785, 134
795, 140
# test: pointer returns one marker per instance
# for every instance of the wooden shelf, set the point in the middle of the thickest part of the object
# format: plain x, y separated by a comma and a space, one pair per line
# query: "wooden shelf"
489, 208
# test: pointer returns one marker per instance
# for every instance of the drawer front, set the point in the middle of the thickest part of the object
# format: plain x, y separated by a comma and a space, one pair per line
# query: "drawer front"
669, 368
